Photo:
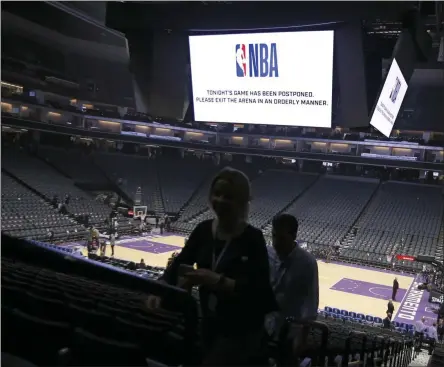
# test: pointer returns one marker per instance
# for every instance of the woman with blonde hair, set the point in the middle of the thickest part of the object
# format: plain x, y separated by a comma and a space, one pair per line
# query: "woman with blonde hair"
232, 274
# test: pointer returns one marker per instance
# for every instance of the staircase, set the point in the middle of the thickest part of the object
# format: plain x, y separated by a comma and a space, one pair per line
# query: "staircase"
199, 217
440, 249
420, 359
350, 236
115, 186
194, 194
52, 165
159, 207
437, 359
206, 212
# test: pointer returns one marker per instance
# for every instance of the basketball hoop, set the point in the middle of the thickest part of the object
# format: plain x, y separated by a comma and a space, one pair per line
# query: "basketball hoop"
139, 212
389, 258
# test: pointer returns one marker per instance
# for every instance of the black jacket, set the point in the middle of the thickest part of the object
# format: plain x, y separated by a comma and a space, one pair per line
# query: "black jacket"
387, 323
246, 261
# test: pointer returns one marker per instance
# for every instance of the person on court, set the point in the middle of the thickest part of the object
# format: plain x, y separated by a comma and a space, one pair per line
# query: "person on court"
390, 307
395, 289
232, 274
112, 243
103, 247
89, 239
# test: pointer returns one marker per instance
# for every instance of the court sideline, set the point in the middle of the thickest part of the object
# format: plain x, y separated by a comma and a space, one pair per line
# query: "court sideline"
353, 288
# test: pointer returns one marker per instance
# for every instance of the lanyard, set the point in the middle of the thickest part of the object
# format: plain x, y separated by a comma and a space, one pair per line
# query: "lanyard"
215, 261
281, 273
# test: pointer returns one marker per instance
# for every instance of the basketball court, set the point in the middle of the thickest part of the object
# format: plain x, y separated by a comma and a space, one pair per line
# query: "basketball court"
352, 288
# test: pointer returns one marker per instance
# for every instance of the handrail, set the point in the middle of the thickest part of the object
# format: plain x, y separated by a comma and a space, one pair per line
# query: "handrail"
283, 335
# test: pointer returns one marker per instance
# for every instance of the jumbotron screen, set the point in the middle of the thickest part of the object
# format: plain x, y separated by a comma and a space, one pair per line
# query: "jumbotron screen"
283, 78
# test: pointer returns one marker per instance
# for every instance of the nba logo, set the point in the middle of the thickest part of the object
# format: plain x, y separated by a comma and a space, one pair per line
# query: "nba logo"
395, 91
241, 60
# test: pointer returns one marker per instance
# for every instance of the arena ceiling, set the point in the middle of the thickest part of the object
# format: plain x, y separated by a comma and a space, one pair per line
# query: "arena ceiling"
185, 15
382, 19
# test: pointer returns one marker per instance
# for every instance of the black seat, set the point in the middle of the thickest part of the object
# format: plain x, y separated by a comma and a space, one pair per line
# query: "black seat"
13, 296
33, 338
9, 360
76, 299
99, 322
88, 349
150, 338
39, 305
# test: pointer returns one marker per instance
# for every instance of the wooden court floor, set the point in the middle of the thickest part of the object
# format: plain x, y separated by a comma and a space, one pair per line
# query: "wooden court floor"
358, 289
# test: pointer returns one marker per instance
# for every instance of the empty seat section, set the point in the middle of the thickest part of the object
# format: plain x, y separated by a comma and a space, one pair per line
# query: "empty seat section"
401, 219
180, 177
74, 163
132, 172
27, 215
328, 209
48, 182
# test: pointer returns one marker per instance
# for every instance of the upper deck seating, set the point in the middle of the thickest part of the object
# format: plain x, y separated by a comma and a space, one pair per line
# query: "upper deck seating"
48, 182
134, 172
26, 215
328, 209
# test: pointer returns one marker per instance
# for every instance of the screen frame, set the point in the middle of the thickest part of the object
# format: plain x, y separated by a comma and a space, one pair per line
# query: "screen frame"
331, 26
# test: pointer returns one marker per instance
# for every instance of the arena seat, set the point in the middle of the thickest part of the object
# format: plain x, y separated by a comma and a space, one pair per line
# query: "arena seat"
198, 203
328, 209
73, 162
180, 177
26, 215
401, 219
35, 338
91, 350
48, 182
334, 341
272, 191
73, 311
135, 172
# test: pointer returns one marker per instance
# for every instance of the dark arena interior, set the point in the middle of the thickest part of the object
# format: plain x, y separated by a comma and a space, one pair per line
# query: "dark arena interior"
222, 183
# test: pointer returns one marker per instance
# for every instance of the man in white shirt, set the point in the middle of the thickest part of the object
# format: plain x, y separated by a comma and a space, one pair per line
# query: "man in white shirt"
431, 332
420, 326
294, 277
431, 337
419, 331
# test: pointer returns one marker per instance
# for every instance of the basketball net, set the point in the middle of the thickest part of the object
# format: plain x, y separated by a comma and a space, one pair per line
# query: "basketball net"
389, 258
